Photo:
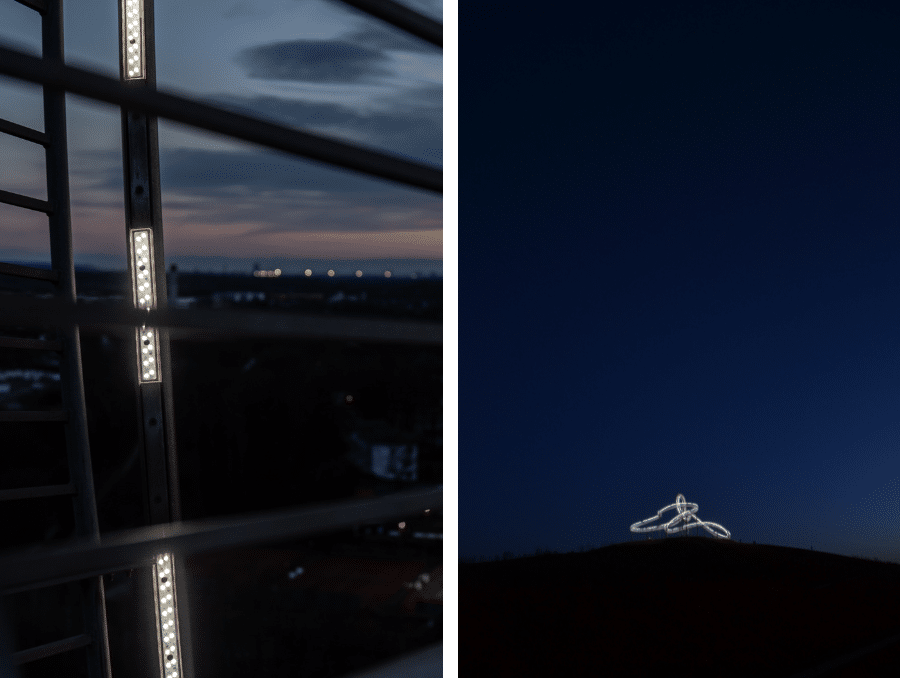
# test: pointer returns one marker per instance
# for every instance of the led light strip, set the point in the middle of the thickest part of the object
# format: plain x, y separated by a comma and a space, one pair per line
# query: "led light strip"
143, 284
144, 295
133, 32
148, 363
167, 616
685, 515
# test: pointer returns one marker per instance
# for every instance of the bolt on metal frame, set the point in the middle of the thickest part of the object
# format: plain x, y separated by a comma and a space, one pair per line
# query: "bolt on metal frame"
141, 103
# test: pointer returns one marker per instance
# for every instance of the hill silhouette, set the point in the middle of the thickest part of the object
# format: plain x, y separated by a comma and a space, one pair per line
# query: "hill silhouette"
689, 606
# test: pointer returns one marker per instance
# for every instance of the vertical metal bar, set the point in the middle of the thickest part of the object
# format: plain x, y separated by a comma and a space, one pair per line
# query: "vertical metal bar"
143, 209
71, 378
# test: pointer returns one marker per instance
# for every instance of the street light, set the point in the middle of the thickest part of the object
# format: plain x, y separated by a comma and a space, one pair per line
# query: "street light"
133, 65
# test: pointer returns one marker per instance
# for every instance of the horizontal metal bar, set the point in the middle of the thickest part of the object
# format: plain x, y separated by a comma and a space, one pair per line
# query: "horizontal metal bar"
25, 201
24, 132
34, 415
402, 17
38, 5
425, 663
50, 649
41, 567
187, 323
34, 344
180, 109
29, 272
36, 492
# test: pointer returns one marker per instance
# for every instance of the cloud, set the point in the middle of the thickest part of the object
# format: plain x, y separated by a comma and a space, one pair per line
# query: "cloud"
319, 61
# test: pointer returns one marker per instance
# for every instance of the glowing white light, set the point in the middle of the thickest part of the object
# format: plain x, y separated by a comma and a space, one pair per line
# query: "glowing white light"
307, 273
167, 636
684, 514
387, 274
277, 271
133, 39
142, 275
330, 273
359, 274
148, 361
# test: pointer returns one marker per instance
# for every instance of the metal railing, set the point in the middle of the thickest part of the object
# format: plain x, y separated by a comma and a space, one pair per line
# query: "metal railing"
24, 570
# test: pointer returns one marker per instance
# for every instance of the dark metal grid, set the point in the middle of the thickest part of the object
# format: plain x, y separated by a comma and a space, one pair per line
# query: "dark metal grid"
182, 539
402, 17
23, 132
37, 492
37, 5
29, 203
47, 566
203, 116
50, 649
29, 272
214, 324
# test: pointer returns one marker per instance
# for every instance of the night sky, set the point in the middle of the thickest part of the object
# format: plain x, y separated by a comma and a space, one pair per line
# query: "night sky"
316, 65
679, 273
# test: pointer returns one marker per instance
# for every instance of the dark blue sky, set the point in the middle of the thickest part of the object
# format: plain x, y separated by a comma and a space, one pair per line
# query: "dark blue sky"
679, 261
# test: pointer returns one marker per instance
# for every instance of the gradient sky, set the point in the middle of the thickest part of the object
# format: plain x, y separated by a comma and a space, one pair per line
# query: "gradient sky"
316, 65
680, 272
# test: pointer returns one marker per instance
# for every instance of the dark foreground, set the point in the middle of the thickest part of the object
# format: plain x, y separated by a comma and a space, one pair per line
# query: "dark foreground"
692, 607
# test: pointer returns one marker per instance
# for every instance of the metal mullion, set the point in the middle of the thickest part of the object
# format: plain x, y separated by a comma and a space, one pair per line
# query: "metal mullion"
26, 202
30, 344
37, 5
28, 272
34, 415
37, 492
29, 569
71, 378
186, 323
403, 18
49, 649
22, 132
235, 125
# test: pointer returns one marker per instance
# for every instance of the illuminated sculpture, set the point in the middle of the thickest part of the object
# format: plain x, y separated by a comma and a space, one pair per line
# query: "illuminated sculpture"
684, 514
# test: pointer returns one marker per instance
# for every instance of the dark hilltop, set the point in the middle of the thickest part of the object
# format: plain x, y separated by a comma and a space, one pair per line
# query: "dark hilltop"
685, 606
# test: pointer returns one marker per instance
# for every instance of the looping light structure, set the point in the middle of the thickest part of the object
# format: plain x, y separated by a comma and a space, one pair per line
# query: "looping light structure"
684, 514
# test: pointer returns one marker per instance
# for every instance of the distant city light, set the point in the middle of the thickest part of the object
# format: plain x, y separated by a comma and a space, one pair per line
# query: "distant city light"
330, 273
267, 274
307, 273
277, 271
359, 274
349, 398
387, 274
402, 526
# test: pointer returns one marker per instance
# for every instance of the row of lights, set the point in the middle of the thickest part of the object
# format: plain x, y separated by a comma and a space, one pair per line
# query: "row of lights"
133, 18
308, 273
144, 292
168, 619
267, 274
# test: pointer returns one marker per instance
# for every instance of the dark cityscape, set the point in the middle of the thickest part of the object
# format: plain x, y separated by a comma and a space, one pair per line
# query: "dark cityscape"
260, 425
